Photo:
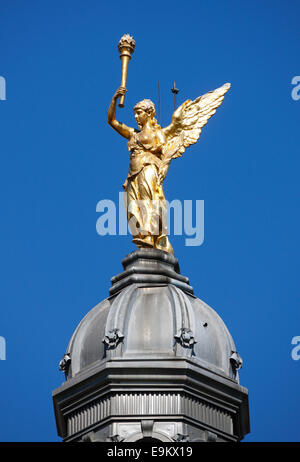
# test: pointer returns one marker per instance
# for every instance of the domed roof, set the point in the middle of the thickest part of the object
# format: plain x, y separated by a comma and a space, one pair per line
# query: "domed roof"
152, 313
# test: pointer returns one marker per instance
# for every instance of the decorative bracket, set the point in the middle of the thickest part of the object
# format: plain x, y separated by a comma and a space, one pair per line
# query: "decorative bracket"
114, 439
185, 337
181, 438
65, 363
112, 338
236, 361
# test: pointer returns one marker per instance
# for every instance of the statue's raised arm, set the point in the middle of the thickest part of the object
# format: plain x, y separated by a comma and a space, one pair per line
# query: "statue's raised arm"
121, 128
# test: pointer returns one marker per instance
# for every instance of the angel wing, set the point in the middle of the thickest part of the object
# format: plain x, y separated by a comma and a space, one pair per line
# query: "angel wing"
187, 123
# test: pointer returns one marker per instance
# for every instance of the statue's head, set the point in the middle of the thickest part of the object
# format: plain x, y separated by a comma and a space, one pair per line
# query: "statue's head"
143, 111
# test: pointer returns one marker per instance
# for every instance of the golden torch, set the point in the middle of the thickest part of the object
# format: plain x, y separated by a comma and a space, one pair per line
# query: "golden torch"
126, 48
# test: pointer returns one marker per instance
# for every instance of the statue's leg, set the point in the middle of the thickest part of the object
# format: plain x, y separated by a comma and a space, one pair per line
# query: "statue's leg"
153, 210
135, 213
162, 241
149, 204
146, 210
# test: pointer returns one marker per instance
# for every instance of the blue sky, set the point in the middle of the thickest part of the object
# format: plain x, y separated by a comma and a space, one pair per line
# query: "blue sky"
59, 158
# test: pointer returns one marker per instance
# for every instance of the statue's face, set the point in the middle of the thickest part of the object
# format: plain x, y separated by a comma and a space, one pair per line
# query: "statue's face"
141, 117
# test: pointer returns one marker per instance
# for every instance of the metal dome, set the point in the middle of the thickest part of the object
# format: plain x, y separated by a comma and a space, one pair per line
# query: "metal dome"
152, 313
151, 361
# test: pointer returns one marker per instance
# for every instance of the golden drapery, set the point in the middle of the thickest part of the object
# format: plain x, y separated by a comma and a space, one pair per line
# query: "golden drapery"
145, 201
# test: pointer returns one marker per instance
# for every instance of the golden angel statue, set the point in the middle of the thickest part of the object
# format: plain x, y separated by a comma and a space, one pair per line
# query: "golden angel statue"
151, 150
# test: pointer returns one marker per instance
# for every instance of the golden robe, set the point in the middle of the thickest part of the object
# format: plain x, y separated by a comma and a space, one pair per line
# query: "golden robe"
144, 199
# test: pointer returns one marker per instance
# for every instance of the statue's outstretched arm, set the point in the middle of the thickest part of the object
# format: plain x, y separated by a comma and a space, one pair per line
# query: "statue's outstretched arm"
121, 128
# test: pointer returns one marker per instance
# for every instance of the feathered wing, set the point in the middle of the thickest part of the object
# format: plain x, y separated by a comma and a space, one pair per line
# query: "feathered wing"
187, 123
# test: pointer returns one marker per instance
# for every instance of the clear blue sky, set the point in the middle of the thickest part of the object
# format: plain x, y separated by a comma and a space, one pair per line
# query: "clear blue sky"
59, 158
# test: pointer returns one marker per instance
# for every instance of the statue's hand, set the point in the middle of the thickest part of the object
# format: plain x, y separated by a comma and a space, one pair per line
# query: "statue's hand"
120, 91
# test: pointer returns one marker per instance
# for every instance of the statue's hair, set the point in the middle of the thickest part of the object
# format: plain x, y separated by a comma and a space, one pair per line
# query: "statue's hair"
148, 106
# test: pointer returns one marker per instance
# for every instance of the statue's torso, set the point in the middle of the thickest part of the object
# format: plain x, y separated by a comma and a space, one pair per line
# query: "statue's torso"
145, 148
